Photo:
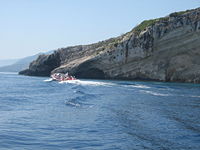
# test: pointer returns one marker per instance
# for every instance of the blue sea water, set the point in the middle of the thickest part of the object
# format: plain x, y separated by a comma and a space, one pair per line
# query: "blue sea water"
98, 115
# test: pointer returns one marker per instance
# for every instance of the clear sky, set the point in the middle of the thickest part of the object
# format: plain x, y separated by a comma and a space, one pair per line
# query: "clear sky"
28, 27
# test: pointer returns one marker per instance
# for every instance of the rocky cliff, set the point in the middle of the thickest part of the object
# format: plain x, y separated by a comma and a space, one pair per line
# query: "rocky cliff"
163, 49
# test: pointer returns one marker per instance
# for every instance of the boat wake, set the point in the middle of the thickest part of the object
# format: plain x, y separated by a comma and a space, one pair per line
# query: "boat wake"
154, 93
90, 83
139, 86
48, 80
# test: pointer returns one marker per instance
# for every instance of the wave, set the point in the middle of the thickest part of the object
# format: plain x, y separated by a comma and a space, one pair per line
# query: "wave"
79, 92
70, 103
76, 102
154, 93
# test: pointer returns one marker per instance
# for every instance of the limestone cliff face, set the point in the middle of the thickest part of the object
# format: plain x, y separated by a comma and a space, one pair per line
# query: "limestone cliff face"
164, 49
43, 65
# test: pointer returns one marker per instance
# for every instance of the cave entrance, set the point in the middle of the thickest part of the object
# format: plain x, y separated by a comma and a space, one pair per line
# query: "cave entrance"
92, 73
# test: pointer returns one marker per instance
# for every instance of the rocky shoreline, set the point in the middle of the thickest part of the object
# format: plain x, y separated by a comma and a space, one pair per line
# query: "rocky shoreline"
164, 49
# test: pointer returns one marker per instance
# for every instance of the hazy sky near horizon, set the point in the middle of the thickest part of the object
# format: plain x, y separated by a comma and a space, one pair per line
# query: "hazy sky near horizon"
31, 26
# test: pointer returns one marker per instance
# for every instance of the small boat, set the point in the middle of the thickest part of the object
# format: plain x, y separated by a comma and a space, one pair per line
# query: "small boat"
62, 77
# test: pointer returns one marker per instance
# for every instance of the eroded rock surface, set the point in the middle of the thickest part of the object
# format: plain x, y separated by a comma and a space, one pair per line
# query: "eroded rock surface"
164, 49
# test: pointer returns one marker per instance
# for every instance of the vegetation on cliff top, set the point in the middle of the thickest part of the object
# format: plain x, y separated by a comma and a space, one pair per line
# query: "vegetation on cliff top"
113, 42
179, 13
146, 23
142, 26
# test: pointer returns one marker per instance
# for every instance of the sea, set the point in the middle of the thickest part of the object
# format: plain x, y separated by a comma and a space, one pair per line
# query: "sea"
39, 114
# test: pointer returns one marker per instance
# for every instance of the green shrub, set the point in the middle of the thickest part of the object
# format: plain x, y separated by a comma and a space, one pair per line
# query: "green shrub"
144, 25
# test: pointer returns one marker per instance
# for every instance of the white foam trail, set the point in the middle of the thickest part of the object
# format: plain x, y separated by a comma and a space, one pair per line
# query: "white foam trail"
154, 93
48, 80
140, 86
92, 83
195, 96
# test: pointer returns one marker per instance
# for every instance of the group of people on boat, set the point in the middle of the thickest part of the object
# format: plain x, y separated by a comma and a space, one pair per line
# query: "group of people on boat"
62, 77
